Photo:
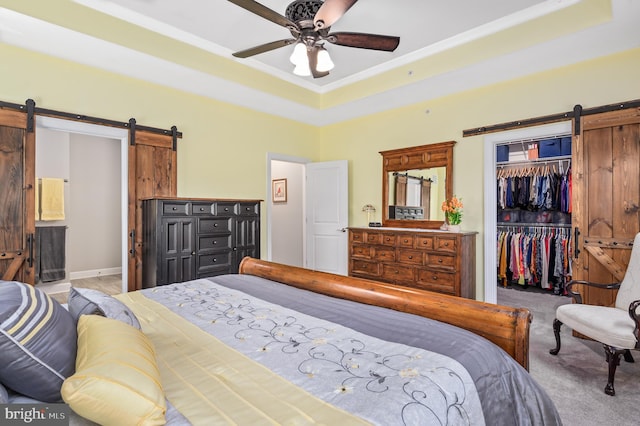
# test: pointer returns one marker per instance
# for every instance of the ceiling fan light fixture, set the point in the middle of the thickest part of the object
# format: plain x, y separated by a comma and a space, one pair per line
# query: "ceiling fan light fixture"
299, 55
302, 69
324, 60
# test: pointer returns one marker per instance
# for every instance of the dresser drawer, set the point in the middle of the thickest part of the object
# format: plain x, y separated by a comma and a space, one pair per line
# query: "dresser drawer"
365, 267
405, 241
446, 244
424, 243
224, 208
373, 238
357, 236
213, 243
389, 239
202, 208
248, 209
362, 251
443, 261
443, 282
214, 225
174, 209
397, 273
412, 257
383, 254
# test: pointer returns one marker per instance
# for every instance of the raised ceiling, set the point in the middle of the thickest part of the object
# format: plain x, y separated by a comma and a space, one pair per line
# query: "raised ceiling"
445, 47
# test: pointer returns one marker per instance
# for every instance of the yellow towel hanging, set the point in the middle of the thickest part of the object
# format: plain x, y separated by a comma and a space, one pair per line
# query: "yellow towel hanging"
52, 199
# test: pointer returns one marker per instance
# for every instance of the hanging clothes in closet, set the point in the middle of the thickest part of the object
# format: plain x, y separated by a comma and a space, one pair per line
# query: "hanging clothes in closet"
535, 187
535, 256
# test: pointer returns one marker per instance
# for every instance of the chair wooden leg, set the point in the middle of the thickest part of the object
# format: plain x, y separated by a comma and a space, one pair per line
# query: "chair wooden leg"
556, 331
628, 357
613, 359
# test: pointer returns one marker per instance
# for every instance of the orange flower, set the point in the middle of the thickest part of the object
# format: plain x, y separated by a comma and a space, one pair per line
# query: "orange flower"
453, 210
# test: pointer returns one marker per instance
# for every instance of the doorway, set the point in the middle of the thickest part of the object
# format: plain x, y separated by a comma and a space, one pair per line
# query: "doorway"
92, 162
491, 141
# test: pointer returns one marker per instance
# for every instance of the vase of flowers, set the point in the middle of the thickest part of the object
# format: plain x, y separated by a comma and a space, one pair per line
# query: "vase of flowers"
452, 209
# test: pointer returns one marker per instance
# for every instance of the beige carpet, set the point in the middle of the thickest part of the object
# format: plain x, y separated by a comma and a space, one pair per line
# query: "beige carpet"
109, 284
575, 378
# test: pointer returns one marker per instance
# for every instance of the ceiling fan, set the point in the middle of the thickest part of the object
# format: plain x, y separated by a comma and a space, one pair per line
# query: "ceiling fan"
309, 22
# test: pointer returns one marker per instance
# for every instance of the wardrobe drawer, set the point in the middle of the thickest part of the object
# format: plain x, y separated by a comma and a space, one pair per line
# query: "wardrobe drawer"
213, 243
224, 208
359, 250
405, 241
202, 208
365, 267
214, 225
175, 209
389, 239
213, 261
446, 244
373, 237
248, 209
397, 273
412, 257
441, 261
383, 254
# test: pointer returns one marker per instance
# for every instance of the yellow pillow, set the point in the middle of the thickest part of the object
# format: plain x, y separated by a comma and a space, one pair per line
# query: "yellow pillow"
117, 381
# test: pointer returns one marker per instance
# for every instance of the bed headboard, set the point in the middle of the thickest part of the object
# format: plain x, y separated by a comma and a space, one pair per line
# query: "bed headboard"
505, 326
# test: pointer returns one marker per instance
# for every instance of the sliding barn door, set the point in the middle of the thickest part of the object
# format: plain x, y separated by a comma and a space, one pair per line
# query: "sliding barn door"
606, 198
17, 196
152, 173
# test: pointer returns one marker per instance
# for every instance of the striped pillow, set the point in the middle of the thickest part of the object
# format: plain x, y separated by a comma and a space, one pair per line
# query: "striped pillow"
38, 341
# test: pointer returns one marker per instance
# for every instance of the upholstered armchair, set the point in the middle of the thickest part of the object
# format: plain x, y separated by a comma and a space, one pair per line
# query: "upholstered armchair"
615, 327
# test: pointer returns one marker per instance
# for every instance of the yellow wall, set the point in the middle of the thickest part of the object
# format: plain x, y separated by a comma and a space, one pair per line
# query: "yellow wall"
223, 150
599, 82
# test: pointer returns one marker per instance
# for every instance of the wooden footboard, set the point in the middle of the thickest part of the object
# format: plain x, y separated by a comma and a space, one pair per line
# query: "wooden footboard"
505, 326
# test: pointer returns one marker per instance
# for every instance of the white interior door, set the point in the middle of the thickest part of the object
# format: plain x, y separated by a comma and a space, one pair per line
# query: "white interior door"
327, 213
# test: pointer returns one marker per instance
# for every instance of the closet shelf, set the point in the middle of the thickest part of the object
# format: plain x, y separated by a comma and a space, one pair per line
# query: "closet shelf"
537, 160
540, 225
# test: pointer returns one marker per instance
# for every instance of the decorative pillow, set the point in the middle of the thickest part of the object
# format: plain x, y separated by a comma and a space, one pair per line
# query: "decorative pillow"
37, 342
85, 301
4, 396
117, 381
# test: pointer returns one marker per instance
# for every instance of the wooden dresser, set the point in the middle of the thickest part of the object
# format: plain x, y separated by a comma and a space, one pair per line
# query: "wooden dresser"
439, 261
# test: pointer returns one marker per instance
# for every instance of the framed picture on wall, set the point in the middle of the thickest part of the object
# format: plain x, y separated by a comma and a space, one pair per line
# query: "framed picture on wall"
279, 190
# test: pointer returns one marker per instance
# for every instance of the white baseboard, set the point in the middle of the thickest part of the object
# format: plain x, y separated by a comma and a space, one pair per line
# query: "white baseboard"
94, 273
54, 287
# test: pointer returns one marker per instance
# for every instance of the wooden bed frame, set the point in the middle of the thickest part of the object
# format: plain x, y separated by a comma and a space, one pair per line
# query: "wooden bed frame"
505, 326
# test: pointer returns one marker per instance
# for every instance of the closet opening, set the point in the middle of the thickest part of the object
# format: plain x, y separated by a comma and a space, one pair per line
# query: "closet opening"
81, 206
528, 209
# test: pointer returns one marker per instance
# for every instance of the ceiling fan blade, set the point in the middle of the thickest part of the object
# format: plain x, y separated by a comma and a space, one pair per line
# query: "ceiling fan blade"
330, 12
264, 48
312, 54
364, 41
266, 13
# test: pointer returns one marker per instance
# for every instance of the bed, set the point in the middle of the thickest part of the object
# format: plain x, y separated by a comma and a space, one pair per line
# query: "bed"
246, 349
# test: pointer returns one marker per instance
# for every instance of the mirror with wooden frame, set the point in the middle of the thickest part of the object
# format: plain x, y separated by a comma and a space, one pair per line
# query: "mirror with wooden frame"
415, 182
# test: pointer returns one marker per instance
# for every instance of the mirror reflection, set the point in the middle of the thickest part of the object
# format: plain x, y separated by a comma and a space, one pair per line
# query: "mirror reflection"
417, 194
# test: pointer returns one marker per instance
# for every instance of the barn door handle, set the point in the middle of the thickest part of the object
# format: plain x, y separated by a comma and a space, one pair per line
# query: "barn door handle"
30, 245
132, 235
576, 235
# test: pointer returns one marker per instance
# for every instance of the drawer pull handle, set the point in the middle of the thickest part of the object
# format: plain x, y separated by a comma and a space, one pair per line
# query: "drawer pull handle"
406, 241
175, 208
215, 260
446, 244
435, 277
410, 257
226, 209
439, 260
215, 242
215, 225
201, 209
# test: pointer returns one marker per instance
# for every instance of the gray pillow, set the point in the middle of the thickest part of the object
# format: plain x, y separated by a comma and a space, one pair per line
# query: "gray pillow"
38, 341
4, 396
86, 301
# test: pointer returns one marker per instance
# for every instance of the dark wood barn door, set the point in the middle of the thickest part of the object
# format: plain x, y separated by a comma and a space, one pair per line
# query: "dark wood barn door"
17, 197
152, 173
606, 198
